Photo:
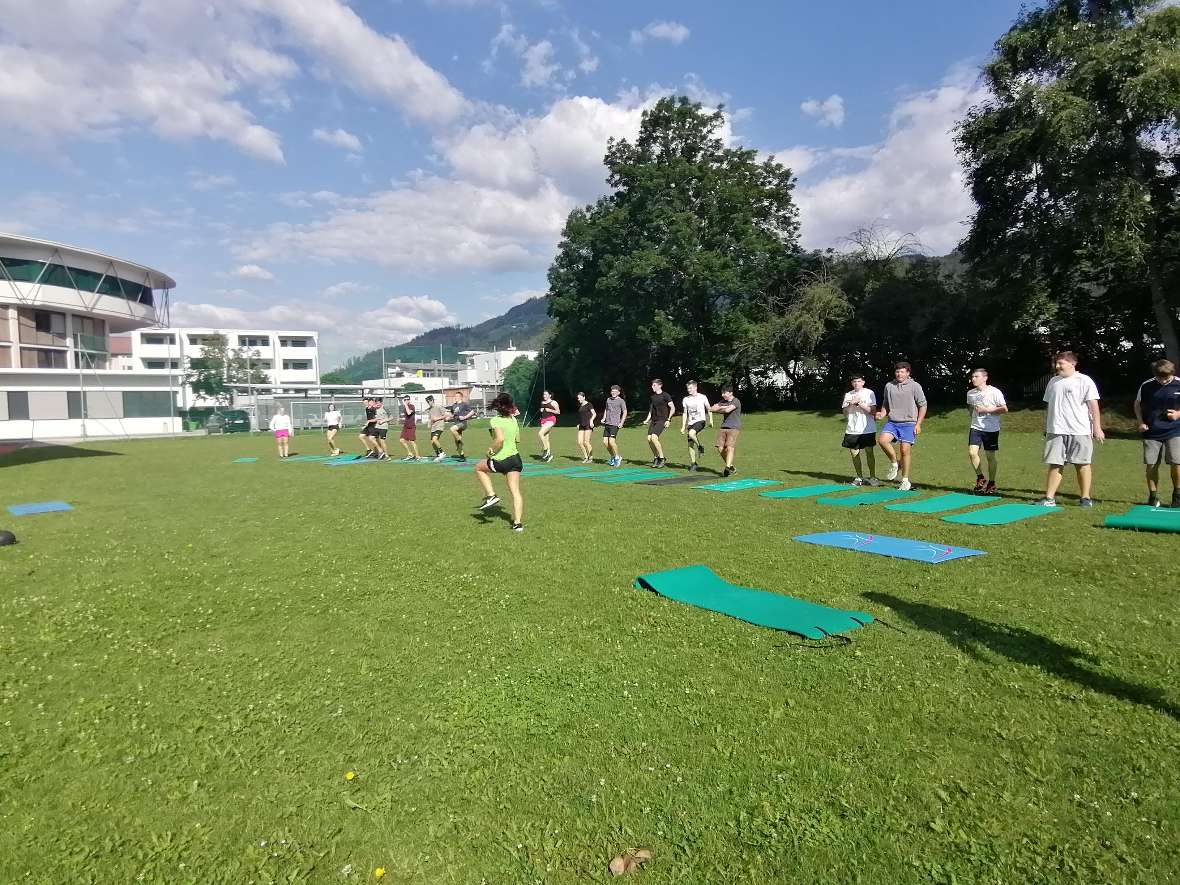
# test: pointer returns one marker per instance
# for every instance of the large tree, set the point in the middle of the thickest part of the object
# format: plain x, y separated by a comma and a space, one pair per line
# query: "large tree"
1074, 162
659, 277
219, 366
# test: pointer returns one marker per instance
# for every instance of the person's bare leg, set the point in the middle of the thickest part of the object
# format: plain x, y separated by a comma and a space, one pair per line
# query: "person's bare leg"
905, 460
1153, 478
1085, 476
513, 480
973, 457
1175, 471
993, 466
414, 449
856, 463
871, 457
885, 441
406, 446
1052, 481
656, 448
485, 480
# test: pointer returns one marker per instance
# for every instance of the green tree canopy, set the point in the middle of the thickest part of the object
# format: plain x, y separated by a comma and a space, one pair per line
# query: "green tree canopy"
219, 367
519, 378
1074, 162
660, 277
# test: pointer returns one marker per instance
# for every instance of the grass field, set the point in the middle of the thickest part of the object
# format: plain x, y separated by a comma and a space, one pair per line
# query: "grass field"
192, 659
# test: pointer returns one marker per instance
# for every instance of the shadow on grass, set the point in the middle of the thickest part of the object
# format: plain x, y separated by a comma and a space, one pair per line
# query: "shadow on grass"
924, 486
33, 453
483, 517
974, 636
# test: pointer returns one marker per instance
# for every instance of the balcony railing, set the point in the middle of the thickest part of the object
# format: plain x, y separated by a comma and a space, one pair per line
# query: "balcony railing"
92, 343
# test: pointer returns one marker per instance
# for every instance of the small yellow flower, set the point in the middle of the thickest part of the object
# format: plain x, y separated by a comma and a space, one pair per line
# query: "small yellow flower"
379, 872
350, 775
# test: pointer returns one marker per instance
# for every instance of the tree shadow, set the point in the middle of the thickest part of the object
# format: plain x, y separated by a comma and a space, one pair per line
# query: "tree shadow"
974, 635
926, 486
33, 453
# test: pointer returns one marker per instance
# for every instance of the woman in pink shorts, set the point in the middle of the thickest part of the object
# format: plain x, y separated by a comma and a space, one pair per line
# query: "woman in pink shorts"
280, 424
549, 412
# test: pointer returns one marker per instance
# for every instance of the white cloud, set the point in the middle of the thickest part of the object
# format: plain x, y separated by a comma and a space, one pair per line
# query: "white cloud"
338, 138
538, 66
671, 32
911, 183
188, 69
829, 112
511, 299
538, 61
253, 272
799, 159
343, 331
203, 181
344, 288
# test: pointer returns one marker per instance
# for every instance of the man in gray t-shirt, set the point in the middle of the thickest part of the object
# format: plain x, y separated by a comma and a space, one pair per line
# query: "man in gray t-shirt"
731, 425
904, 402
461, 411
614, 413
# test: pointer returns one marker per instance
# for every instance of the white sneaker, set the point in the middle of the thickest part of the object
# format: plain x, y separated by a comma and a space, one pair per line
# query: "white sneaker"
873, 481
892, 474
904, 486
441, 456
857, 481
488, 503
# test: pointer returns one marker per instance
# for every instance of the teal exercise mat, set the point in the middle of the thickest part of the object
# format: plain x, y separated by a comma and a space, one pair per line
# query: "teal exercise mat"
1001, 514
808, 491
877, 496
1146, 519
737, 485
672, 480
616, 479
613, 471
942, 503
244, 460
308, 458
559, 471
699, 586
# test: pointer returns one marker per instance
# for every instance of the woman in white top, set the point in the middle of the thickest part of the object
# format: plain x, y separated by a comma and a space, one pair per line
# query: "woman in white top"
280, 424
332, 424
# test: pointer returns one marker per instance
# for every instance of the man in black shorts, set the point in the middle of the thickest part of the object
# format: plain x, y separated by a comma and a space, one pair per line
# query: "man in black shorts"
367, 430
381, 430
661, 410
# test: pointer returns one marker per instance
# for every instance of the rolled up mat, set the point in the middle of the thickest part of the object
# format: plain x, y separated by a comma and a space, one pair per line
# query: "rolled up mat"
1146, 519
699, 586
883, 545
942, 503
614, 478
1001, 514
737, 485
807, 491
877, 496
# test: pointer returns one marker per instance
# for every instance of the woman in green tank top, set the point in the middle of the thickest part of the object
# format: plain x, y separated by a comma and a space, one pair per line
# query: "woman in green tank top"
503, 458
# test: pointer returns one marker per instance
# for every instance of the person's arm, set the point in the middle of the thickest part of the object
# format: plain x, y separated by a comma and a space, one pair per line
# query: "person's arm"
623, 420
1095, 420
672, 406
556, 407
683, 420
883, 406
868, 405
1173, 414
593, 416
497, 441
1143, 428
709, 412
921, 418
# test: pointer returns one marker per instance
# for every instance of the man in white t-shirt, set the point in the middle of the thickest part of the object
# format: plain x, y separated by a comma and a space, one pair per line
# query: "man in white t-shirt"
693, 417
1072, 423
332, 422
987, 404
860, 429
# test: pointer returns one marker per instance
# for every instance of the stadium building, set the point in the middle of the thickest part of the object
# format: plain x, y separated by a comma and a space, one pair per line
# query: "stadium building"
59, 307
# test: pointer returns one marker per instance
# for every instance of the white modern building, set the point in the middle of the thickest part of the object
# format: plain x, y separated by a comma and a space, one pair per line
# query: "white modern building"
288, 360
485, 368
59, 306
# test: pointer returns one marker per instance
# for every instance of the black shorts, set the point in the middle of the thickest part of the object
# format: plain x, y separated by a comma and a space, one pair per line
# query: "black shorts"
696, 426
609, 431
506, 465
988, 439
585, 427
380, 432
333, 426
859, 440
435, 434
656, 428
368, 430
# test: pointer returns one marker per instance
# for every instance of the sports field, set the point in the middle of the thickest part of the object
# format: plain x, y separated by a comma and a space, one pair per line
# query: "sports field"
193, 658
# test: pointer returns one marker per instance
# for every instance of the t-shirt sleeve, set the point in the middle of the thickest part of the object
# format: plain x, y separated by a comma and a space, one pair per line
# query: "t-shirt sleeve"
1091, 394
1000, 401
872, 400
919, 395
1139, 392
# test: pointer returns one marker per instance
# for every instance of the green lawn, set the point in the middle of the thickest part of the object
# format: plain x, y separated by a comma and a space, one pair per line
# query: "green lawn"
192, 659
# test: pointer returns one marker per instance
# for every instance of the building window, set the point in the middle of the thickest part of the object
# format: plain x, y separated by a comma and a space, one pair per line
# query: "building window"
297, 365
158, 339
253, 341
5, 357
18, 405
73, 404
295, 342
23, 270
4, 334
147, 404
42, 327
161, 364
88, 360
258, 364
206, 340
40, 358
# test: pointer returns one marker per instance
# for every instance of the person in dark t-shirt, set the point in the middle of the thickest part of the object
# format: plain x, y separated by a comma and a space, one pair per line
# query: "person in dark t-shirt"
731, 425
586, 416
368, 428
661, 410
1156, 403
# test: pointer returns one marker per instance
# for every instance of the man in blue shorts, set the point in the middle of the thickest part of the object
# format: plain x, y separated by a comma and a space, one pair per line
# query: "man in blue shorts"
904, 404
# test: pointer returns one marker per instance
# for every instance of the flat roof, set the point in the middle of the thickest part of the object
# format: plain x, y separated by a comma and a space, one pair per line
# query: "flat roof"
159, 279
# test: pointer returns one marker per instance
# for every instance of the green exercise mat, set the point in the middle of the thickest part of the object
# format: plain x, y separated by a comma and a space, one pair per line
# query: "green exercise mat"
699, 586
736, 485
674, 480
244, 460
615, 478
942, 503
1146, 519
309, 458
558, 471
808, 491
613, 471
877, 496
1001, 514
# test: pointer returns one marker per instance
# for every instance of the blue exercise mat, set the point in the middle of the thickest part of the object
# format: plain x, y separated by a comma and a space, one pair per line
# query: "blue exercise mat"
883, 545
736, 485
40, 507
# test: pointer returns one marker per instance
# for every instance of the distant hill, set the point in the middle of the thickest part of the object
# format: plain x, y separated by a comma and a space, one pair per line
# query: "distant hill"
524, 326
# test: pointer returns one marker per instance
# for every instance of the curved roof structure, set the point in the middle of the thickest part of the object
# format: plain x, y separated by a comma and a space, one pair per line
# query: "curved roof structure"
154, 278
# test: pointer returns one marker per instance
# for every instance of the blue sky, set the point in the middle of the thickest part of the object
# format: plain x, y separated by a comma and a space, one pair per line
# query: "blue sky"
374, 169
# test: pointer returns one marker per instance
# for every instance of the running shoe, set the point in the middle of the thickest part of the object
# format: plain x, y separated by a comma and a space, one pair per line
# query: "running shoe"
904, 486
1047, 502
1153, 500
460, 457
990, 488
518, 526
980, 485
1176, 498
728, 471
1086, 502
857, 481
489, 502
692, 468
892, 474
440, 457
873, 481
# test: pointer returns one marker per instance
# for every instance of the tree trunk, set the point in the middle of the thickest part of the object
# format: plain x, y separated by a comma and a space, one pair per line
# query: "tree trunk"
1165, 317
